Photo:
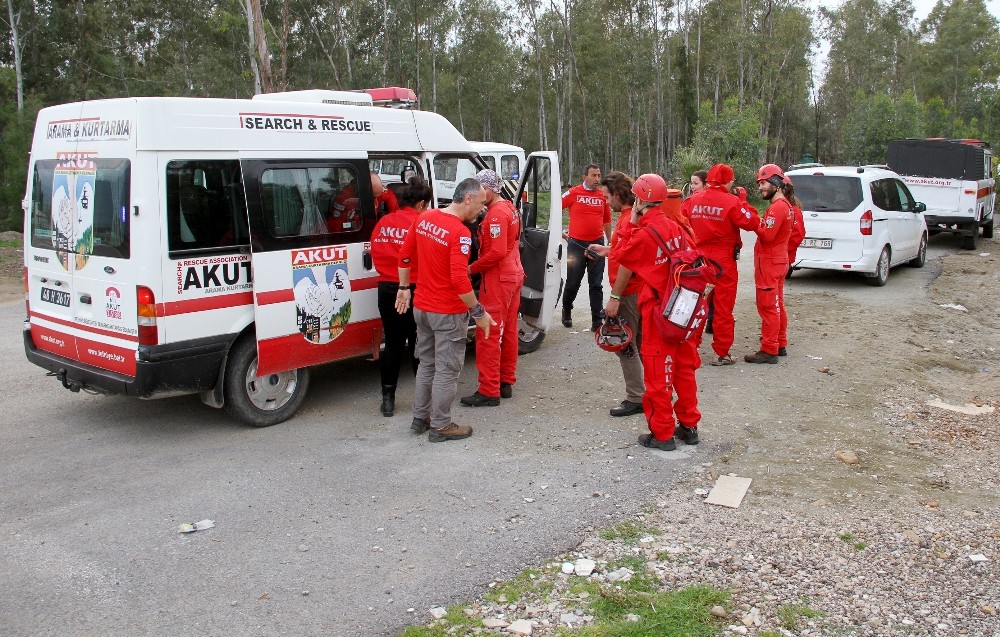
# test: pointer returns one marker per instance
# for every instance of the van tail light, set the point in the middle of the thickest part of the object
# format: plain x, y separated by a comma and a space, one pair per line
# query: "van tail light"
866, 223
145, 311
27, 302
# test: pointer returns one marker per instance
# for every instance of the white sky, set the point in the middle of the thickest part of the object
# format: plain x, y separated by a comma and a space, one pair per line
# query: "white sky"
922, 9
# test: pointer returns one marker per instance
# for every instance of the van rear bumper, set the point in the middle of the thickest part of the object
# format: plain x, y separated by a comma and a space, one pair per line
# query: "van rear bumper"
162, 370
947, 220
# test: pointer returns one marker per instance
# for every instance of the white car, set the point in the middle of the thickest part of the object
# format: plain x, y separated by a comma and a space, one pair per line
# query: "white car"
858, 219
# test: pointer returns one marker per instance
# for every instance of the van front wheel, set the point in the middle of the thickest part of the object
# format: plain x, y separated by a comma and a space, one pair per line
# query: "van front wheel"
260, 401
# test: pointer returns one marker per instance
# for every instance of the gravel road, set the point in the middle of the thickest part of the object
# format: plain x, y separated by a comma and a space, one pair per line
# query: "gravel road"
339, 521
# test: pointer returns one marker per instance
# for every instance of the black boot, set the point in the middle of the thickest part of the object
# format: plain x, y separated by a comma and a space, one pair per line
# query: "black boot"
567, 319
388, 400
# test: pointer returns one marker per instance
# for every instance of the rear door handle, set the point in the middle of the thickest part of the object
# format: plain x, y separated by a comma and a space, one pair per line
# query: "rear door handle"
85, 298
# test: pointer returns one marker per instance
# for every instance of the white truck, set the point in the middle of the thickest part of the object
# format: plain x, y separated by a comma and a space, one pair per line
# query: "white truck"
954, 178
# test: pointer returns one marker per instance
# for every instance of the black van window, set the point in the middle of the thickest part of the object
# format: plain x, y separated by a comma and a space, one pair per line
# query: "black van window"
81, 204
828, 193
885, 195
206, 206
315, 200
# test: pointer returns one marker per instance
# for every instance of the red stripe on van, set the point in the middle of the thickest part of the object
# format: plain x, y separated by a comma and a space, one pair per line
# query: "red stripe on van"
54, 342
84, 119
221, 301
86, 328
104, 356
292, 351
275, 296
369, 283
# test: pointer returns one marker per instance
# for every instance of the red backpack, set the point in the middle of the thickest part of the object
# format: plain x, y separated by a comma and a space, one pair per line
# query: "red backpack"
683, 305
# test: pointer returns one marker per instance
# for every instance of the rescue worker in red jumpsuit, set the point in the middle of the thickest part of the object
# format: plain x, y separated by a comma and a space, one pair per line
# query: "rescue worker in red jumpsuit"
667, 367
716, 218
770, 261
499, 265
344, 215
399, 329
794, 239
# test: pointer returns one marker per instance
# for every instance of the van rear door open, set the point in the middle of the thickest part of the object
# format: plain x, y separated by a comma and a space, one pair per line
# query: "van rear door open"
310, 219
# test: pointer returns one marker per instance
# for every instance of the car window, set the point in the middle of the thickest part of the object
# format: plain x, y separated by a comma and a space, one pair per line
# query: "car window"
885, 195
826, 193
906, 203
206, 205
446, 168
510, 168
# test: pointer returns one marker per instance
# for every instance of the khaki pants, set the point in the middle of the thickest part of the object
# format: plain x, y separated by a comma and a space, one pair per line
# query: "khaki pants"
441, 351
628, 308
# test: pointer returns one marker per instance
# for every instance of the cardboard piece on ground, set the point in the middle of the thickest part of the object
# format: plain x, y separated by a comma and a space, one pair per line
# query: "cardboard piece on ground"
729, 491
968, 409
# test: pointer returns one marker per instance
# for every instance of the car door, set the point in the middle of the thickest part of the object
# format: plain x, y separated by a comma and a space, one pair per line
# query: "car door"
540, 205
310, 221
909, 226
886, 226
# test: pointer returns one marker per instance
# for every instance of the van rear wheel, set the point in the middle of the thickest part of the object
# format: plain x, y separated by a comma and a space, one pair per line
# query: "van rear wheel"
881, 270
260, 401
971, 240
988, 228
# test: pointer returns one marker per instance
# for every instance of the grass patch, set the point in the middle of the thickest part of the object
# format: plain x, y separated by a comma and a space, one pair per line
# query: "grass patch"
846, 537
628, 531
641, 581
860, 546
10, 243
789, 615
680, 612
852, 539
526, 582
455, 623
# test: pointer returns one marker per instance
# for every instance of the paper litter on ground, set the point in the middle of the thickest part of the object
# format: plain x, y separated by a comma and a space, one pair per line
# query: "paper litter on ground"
967, 409
954, 306
729, 491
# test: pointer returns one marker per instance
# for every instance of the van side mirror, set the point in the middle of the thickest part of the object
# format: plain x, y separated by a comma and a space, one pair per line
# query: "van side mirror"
920, 207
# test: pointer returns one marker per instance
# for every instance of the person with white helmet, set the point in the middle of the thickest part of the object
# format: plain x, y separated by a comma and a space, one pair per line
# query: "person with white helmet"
499, 263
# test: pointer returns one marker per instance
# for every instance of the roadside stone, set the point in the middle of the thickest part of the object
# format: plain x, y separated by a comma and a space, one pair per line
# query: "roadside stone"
847, 457
567, 568
621, 575
584, 567
495, 622
438, 612
719, 611
520, 627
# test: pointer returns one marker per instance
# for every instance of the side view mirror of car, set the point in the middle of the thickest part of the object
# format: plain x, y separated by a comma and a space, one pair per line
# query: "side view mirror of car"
920, 207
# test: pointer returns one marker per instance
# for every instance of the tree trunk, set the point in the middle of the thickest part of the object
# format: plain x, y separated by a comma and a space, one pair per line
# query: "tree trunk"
260, 40
347, 48
253, 56
15, 23
326, 52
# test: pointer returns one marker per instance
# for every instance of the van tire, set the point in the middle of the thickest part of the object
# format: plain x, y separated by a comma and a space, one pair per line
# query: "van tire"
528, 339
971, 240
988, 229
921, 258
256, 401
881, 269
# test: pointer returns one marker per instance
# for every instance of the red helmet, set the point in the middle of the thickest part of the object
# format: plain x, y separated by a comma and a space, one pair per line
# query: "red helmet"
613, 335
650, 187
772, 174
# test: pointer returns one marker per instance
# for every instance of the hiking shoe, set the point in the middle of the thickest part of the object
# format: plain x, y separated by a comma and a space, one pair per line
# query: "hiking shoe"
420, 425
782, 351
506, 390
567, 318
724, 360
648, 440
627, 408
451, 432
478, 400
687, 435
596, 325
761, 356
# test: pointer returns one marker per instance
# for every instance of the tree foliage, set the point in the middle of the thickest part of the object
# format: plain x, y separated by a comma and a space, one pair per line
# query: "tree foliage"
643, 85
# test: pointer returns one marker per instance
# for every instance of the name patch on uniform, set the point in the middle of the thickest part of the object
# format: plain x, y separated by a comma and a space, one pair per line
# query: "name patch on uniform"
465, 240
769, 222
465, 249
494, 230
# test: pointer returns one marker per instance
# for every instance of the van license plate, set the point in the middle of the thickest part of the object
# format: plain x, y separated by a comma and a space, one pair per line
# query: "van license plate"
817, 243
56, 297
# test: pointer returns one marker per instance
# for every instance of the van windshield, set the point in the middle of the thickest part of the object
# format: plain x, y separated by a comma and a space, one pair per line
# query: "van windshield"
826, 193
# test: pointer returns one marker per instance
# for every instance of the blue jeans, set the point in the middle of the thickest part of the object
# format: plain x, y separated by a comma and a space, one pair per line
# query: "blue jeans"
576, 265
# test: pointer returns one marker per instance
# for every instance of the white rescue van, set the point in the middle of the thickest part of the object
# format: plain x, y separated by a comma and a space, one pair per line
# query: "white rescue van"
507, 160
221, 247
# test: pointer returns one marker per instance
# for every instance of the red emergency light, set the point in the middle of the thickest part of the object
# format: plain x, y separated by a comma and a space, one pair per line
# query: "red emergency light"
393, 97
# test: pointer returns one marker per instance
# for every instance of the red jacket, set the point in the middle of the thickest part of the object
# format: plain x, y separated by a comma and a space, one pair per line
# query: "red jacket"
774, 231
798, 230
634, 283
716, 218
499, 241
387, 240
344, 215
589, 212
439, 244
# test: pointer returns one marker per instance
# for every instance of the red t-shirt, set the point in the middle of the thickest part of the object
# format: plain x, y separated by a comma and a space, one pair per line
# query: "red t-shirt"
589, 212
439, 244
387, 240
716, 218
634, 283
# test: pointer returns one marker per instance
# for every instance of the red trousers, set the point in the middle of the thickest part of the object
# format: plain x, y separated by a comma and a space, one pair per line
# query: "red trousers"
668, 369
496, 356
782, 319
773, 323
724, 300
